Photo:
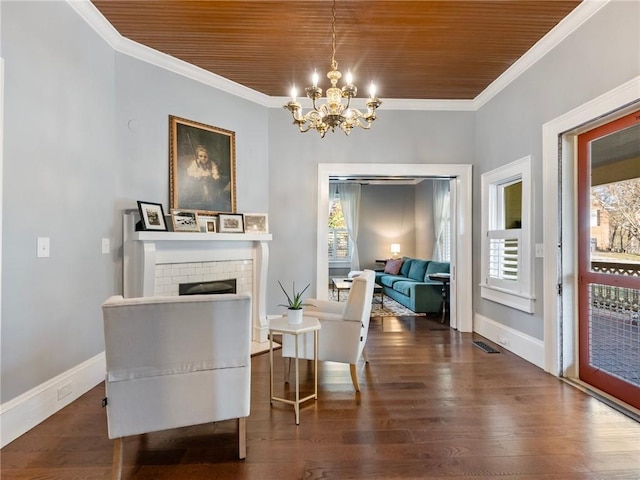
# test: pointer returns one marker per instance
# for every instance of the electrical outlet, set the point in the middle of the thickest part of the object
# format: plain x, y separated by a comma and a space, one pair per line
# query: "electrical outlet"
539, 250
64, 391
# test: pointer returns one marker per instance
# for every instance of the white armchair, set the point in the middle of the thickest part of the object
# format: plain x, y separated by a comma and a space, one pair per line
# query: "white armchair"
344, 327
174, 362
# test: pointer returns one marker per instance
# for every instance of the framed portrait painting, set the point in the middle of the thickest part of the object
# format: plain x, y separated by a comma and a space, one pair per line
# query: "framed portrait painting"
202, 167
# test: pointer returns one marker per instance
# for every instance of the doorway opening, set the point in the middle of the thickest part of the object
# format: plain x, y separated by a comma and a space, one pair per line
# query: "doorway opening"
460, 180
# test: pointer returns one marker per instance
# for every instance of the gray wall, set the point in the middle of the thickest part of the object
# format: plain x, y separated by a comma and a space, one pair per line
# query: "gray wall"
425, 229
387, 215
597, 57
60, 175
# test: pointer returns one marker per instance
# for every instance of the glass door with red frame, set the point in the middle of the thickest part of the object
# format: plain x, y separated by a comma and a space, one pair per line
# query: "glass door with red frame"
609, 258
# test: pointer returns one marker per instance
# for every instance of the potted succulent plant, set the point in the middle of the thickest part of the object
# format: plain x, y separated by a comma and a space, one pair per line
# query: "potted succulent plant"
294, 303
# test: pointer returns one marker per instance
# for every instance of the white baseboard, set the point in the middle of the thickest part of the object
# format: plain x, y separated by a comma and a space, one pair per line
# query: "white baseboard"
19, 415
525, 346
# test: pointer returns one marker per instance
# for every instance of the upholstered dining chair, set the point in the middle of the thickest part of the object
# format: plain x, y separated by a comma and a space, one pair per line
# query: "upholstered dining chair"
174, 362
344, 327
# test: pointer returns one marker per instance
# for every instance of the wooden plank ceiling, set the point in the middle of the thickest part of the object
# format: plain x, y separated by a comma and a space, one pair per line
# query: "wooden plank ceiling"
410, 49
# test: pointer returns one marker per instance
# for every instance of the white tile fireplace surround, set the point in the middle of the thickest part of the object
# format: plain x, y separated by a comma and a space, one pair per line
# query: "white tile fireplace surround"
169, 276
155, 263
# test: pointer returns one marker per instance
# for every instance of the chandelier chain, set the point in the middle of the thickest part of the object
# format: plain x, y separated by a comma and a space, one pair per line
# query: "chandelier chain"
334, 64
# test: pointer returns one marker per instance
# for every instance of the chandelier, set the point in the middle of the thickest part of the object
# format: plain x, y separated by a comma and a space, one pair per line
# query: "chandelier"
333, 113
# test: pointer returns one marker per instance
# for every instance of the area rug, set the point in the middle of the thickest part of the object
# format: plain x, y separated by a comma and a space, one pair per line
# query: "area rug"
391, 308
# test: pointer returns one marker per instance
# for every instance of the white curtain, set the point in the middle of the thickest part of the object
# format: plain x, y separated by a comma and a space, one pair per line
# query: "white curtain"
441, 206
349, 194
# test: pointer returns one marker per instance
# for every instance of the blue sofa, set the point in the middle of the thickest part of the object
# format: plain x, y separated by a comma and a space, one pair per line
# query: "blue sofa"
412, 287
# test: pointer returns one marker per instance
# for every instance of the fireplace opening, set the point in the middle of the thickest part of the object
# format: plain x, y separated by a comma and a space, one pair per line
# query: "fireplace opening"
214, 287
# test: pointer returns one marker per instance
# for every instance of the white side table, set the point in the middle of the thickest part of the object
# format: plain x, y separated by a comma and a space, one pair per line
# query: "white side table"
281, 325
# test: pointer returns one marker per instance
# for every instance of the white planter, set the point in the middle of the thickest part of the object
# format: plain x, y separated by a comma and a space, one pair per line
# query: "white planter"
294, 316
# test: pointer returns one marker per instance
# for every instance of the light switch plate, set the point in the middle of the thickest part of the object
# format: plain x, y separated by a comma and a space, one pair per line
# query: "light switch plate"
539, 250
105, 245
43, 249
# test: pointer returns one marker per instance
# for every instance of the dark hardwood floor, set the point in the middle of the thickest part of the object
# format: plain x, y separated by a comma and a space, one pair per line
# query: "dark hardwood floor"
432, 406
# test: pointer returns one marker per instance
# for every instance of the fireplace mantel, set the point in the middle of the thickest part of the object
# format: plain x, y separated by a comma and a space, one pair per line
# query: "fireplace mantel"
143, 251
200, 237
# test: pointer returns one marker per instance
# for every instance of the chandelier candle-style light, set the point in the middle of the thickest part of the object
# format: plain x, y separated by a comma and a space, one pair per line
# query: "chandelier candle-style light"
333, 113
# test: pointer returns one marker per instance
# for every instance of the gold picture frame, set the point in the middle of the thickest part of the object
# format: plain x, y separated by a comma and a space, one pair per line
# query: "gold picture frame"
185, 220
202, 167
256, 223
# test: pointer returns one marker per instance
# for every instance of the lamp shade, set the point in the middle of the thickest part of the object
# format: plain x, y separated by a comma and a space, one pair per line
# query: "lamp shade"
395, 248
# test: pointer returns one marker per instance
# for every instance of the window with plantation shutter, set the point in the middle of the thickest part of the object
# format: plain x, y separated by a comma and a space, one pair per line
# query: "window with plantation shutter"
503, 255
338, 243
507, 275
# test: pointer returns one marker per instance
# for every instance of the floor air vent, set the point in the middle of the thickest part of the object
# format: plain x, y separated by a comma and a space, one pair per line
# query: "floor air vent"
483, 346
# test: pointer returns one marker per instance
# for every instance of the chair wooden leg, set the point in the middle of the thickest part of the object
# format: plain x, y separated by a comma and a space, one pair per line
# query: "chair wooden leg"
242, 437
354, 377
118, 450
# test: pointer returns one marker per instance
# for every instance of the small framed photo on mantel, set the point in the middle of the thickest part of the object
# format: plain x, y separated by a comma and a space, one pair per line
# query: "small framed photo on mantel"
208, 223
210, 226
231, 223
256, 223
185, 220
151, 217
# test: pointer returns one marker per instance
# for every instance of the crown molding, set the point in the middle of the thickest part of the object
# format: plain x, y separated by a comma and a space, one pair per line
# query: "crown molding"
97, 22
125, 46
175, 65
555, 36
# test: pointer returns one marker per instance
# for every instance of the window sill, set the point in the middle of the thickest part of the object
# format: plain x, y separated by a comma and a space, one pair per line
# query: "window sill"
519, 301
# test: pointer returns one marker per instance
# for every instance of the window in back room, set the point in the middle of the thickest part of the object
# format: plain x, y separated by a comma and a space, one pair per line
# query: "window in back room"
338, 240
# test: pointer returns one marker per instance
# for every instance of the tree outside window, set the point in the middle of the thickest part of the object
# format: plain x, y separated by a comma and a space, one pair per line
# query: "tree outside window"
616, 233
338, 239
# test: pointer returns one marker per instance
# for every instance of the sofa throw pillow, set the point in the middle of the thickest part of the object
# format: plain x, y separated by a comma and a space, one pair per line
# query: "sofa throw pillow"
406, 266
418, 267
392, 267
